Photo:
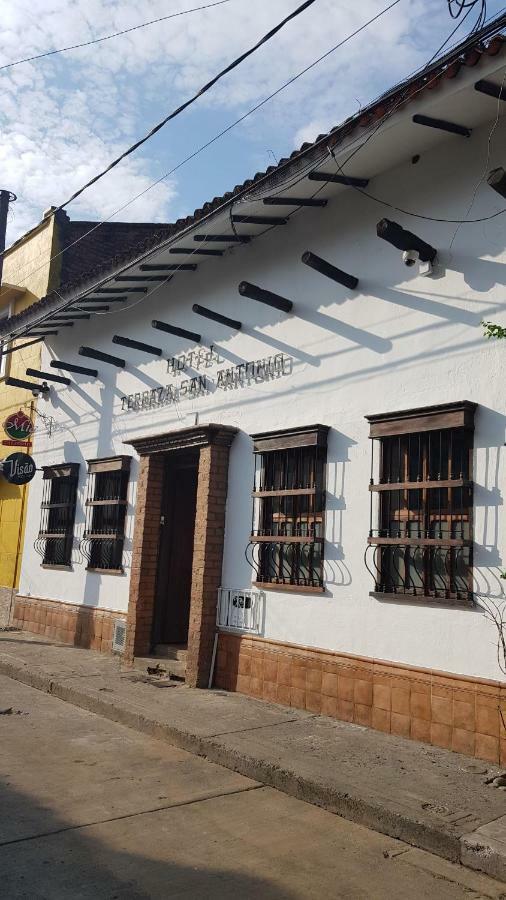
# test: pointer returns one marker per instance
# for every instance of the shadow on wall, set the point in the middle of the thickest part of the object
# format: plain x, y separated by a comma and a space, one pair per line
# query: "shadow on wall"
46, 856
336, 572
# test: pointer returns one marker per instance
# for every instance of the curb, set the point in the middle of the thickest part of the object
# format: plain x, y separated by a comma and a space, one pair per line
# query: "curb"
472, 850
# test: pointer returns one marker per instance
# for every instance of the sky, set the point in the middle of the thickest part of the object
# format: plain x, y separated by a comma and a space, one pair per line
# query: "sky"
64, 118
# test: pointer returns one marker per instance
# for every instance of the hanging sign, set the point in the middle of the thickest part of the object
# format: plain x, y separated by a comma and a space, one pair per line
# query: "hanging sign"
18, 426
18, 468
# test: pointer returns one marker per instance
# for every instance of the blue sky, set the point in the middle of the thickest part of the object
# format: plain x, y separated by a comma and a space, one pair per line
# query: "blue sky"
63, 118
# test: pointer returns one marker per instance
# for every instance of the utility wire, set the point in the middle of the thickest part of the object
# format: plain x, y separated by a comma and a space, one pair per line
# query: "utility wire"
108, 37
203, 90
218, 136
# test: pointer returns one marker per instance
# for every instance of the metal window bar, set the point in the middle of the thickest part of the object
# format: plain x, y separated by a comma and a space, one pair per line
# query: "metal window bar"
293, 512
106, 505
56, 529
438, 514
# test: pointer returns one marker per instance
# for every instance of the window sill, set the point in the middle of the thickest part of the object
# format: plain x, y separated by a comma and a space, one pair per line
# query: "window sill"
425, 599
105, 571
291, 588
62, 568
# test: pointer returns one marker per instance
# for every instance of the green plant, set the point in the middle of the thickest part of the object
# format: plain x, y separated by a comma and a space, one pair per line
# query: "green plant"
494, 331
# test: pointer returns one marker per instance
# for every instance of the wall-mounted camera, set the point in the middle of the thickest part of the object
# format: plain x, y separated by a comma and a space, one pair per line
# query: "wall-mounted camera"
415, 251
410, 257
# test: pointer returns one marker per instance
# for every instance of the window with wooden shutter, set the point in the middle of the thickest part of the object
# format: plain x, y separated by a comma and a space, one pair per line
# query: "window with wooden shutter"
106, 507
421, 535
287, 540
58, 511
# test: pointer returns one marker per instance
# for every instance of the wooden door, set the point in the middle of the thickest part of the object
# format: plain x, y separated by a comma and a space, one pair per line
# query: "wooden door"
175, 561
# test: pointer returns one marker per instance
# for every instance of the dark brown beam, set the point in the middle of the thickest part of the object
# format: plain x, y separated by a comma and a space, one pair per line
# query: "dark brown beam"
48, 376
331, 271
182, 267
39, 334
93, 309
103, 357
404, 240
71, 367
216, 317
118, 290
442, 125
259, 220
497, 181
27, 385
142, 278
191, 251
22, 346
257, 293
136, 345
493, 90
223, 238
103, 299
294, 201
61, 323
70, 318
334, 178
178, 332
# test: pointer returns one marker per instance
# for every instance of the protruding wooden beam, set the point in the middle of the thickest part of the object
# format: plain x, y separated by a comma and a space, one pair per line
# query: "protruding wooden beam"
216, 317
334, 178
103, 300
442, 125
142, 278
405, 240
192, 251
37, 340
329, 270
103, 357
70, 318
182, 267
257, 293
61, 323
294, 201
223, 238
118, 290
40, 334
71, 367
259, 220
26, 385
48, 376
136, 345
93, 309
497, 181
493, 90
177, 332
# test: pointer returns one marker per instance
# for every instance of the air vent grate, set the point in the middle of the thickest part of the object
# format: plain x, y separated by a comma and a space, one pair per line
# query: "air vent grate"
119, 636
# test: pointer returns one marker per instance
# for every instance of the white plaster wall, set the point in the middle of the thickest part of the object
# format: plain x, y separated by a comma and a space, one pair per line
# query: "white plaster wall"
399, 341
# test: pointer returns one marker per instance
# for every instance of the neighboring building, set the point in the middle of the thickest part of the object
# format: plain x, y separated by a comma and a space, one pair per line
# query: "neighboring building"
34, 266
334, 469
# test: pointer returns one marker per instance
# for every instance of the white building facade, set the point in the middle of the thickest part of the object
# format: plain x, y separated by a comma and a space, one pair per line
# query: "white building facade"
328, 457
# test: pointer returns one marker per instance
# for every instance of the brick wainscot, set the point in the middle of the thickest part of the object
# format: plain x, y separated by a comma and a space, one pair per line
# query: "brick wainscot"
450, 711
82, 626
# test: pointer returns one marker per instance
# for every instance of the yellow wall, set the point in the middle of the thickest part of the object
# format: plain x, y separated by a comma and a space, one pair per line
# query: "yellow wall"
27, 276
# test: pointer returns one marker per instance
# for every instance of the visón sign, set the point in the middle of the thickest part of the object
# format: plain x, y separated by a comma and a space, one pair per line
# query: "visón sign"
18, 468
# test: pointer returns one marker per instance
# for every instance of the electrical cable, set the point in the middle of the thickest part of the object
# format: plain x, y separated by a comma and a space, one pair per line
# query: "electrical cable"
213, 140
203, 90
108, 37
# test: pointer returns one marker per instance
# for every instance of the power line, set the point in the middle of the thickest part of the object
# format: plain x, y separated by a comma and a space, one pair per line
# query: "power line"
108, 37
221, 134
203, 90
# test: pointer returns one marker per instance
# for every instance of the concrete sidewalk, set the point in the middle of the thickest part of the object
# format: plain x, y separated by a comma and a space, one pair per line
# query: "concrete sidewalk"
433, 799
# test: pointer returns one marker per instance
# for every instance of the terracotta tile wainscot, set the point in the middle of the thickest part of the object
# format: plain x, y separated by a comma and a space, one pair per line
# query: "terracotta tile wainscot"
450, 711
81, 626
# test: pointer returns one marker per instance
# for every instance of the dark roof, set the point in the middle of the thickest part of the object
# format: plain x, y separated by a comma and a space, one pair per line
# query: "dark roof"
91, 245
468, 54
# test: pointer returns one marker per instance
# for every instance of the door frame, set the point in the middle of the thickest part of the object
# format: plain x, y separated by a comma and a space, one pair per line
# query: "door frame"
213, 444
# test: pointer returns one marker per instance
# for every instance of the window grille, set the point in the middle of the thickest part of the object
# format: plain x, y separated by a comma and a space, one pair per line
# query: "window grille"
58, 511
106, 505
287, 540
421, 530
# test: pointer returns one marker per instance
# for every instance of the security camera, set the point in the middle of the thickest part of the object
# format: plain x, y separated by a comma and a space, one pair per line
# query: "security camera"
410, 257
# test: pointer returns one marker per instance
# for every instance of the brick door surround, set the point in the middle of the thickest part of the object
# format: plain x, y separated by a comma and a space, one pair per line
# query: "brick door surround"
213, 443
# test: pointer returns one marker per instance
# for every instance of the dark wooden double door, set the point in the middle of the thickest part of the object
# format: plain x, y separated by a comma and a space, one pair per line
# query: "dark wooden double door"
175, 555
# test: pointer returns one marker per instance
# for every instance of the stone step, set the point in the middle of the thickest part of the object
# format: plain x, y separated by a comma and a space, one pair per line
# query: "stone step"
171, 651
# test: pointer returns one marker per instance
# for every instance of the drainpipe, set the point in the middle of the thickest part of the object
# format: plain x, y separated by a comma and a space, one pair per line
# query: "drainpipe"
6, 197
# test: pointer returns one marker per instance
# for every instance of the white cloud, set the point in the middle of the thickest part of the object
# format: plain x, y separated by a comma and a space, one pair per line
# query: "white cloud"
65, 117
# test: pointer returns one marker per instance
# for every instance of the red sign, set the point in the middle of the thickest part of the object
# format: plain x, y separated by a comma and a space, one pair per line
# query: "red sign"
17, 443
18, 426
